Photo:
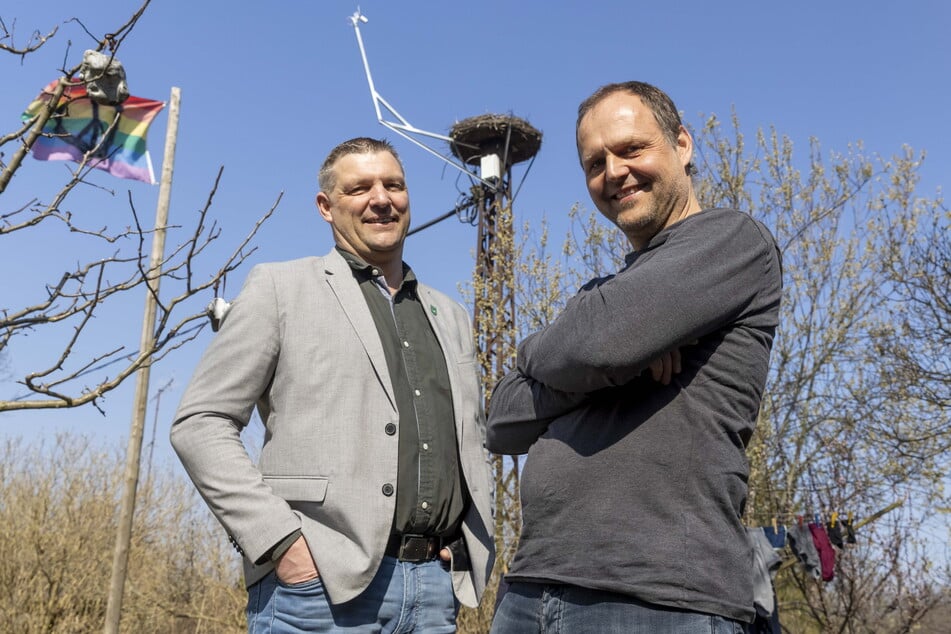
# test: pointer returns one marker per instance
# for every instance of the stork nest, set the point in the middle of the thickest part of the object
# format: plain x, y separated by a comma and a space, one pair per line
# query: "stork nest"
476, 137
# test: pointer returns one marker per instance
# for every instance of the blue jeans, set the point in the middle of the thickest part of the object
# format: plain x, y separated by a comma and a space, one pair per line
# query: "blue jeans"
530, 608
402, 597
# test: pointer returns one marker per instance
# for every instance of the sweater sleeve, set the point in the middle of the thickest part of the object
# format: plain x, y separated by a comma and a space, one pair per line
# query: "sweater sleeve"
520, 411
700, 276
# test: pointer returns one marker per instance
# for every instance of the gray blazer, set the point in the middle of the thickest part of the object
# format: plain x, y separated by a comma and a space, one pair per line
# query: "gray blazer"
300, 343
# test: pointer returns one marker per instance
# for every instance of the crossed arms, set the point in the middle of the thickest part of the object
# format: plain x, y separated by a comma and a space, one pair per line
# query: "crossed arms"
696, 281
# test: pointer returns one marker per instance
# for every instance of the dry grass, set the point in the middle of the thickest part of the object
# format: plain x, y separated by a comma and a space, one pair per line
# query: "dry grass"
58, 505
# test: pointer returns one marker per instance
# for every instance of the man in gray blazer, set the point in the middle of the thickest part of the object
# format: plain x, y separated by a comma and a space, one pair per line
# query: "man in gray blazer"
370, 503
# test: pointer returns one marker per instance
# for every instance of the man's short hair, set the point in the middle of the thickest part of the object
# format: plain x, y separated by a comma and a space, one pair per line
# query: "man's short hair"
665, 112
358, 145
659, 103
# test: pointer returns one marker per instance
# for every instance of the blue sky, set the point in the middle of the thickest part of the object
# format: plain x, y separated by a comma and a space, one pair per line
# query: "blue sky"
269, 88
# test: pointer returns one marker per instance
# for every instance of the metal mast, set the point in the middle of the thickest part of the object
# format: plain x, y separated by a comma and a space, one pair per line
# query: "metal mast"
496, 143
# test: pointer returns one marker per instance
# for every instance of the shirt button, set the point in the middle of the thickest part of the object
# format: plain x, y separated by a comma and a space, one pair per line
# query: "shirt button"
390, 429
425, 505
416, 392
387, 489
406, 344
425, 446
375, 272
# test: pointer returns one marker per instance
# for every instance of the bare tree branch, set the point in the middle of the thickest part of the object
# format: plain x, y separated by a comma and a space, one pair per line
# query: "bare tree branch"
79, 298
34, 42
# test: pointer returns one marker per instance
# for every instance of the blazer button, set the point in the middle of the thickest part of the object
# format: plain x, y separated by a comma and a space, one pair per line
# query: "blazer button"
387, 489
390, 429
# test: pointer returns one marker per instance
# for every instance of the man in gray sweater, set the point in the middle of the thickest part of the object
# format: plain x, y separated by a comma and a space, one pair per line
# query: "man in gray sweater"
633, 489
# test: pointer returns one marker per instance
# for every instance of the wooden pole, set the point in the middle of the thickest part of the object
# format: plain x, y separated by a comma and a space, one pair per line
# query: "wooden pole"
120, 561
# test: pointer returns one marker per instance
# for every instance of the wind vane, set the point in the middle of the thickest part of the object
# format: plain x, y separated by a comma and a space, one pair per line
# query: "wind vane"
493, 142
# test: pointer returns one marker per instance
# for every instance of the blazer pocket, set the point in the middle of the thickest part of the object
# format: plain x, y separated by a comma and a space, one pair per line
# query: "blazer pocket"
298, 488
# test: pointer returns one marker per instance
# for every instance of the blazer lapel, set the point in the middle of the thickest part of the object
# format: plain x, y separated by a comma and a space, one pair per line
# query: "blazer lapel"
339, 277
443, 335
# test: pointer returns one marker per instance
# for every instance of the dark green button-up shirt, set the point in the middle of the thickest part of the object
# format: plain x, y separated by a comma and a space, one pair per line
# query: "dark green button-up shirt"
430, 499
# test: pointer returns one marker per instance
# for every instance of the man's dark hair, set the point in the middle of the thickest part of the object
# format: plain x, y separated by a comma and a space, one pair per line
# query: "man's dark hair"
659, 103
358, 145
665, 112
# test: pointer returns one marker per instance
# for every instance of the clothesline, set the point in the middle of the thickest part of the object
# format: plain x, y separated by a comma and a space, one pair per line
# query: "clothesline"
789, 517
815, 545
796, 554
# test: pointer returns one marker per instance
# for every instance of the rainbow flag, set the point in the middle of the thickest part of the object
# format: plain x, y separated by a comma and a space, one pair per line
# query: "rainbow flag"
79, 124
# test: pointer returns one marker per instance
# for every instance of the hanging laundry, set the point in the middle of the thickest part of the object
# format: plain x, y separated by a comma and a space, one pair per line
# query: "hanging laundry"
766, 562
824, 547
834, 529
849, 531
803, 546
776, 534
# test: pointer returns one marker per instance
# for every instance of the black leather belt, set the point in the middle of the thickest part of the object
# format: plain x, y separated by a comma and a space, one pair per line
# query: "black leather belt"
413, 548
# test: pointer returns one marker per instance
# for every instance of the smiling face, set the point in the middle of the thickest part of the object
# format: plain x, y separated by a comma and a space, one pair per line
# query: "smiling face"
368, 207
636, 177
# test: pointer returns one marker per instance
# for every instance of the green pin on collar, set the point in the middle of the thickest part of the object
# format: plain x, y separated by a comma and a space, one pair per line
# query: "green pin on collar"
432, 309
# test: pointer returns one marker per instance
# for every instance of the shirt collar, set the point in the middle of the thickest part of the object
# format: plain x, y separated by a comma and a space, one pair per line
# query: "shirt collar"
370, 272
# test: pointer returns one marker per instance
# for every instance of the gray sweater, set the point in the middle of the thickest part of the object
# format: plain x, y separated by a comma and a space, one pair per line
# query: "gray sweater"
631, 486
